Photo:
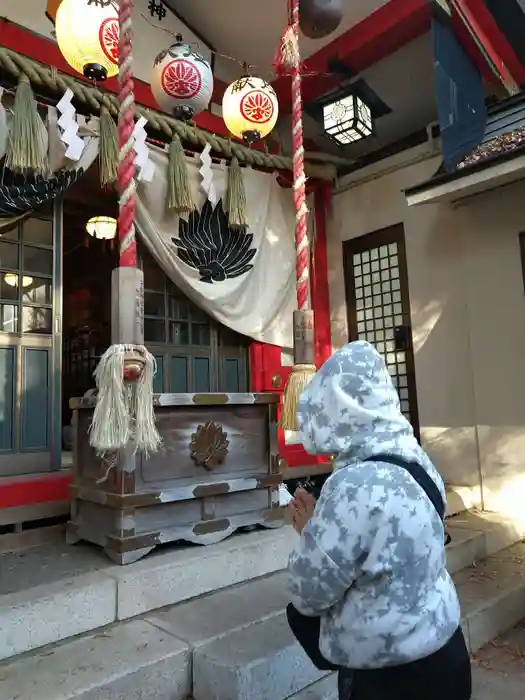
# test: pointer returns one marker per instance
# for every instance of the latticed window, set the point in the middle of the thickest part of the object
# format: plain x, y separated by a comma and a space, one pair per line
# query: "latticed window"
26, 277
193, 352
378, 306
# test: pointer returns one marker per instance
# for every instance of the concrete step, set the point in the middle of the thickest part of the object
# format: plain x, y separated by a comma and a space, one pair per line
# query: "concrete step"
264, 661
204, 620
255, 663
52, 593
324, 689
476, 535
131, 661
462, 498
233, 644
56, 592
492, 595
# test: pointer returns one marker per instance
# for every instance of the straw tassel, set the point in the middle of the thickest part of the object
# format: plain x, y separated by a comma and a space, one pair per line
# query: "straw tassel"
108, 154
124, 410
298, 380
180, 199
303, 369
236, 197
26, 149
288, 54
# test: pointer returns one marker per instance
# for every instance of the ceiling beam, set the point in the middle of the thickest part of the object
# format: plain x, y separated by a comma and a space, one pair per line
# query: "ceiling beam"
493, 40
379, 35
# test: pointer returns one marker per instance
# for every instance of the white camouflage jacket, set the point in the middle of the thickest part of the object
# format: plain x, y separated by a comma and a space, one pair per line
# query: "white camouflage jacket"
371, 561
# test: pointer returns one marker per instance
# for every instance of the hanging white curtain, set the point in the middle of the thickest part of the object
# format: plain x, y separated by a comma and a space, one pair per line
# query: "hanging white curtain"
244, 281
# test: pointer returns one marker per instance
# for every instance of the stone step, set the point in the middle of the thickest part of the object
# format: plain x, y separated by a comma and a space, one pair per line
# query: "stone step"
476, 535
131, 661
264, 661
204, 620
81, 591
214, 591
492, 595
52, 593
462, 498
324, 689
231, 645
255, 663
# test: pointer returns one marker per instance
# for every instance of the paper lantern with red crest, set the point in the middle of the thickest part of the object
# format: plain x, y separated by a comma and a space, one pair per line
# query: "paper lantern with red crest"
182, 81
87, 33
250, 108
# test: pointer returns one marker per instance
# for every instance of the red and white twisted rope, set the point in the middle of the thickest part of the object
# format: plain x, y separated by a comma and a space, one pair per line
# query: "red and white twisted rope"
126, 124
299, 180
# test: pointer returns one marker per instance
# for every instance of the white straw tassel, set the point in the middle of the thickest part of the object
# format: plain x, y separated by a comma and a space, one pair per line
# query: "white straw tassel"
124, 411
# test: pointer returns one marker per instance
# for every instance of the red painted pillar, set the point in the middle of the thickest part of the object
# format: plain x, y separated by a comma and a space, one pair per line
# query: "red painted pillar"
265, 360
320, 291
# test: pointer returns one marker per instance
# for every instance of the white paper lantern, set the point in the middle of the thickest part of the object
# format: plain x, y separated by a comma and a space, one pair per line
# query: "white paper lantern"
102, 227
181, 81
11, 278
250, 108
87, 33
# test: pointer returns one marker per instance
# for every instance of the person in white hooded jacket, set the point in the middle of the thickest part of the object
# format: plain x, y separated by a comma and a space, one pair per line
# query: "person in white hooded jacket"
369, 567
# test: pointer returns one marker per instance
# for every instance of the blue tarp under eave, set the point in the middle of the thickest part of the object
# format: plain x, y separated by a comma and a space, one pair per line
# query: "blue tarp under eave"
460, 97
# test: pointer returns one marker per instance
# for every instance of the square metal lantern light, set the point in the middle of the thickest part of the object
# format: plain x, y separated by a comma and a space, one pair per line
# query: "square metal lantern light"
347, 119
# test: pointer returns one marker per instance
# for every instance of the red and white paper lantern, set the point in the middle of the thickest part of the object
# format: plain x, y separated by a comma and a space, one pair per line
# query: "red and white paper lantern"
250, 108
87, 33
182, 81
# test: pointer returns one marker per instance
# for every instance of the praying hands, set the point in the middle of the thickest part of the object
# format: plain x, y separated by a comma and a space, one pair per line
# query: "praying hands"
301, 509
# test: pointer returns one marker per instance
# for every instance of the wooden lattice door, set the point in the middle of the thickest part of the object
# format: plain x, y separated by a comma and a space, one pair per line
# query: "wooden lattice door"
378, 306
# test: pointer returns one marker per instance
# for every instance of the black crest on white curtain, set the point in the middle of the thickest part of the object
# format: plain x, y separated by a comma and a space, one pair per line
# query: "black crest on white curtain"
208, 244
20, 194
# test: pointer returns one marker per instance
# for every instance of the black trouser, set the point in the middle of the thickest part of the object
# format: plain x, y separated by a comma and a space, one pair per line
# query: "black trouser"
445, 675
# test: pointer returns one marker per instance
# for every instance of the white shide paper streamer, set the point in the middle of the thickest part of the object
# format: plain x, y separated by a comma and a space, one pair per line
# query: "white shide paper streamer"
206, 174
146, 168
68, 126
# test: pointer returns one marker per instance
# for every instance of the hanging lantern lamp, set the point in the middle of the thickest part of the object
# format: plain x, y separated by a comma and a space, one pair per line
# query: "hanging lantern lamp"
181, 81
347, 119
11, 278
87, 33
104, 227
250, 108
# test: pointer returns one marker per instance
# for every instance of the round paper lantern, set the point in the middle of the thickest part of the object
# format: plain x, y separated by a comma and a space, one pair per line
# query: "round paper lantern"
250, 108
104, 227
181, 81
11, 278
87, 33
319, 18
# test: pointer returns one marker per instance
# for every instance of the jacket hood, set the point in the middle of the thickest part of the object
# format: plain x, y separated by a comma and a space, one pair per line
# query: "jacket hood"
351, 410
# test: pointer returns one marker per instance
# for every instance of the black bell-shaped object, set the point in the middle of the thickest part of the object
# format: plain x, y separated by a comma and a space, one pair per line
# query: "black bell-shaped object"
319, 18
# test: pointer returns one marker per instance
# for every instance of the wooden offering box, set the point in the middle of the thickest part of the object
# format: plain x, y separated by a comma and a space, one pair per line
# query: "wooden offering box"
218, 470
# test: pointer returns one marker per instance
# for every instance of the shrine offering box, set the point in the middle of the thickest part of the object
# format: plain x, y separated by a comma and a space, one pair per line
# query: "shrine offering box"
218, 470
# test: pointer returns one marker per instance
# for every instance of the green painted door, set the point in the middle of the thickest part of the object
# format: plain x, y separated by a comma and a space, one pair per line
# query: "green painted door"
28, 376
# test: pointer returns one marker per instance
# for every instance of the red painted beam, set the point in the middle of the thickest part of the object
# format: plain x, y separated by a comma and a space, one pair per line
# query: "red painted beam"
492, 38
26, 43
30, 490
386, 30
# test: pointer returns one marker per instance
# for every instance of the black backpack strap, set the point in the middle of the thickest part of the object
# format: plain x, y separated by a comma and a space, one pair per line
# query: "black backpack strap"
419, 474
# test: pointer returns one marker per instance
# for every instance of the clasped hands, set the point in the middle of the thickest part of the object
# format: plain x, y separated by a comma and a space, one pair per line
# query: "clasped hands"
301, 509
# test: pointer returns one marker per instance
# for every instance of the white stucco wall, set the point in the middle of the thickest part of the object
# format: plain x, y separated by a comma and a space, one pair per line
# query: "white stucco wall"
468, 318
